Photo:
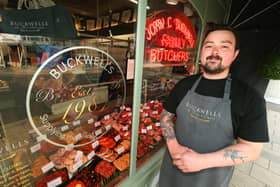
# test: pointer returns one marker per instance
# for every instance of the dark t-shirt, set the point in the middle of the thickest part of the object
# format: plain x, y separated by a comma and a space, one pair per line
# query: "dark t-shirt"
248, 108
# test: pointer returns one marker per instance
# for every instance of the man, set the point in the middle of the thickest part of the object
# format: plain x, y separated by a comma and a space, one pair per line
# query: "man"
221, 122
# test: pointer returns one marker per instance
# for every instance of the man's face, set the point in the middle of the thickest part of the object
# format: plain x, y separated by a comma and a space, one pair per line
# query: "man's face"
218, 52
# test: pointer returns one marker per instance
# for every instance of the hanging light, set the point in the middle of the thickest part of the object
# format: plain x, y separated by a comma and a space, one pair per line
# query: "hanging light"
172, 2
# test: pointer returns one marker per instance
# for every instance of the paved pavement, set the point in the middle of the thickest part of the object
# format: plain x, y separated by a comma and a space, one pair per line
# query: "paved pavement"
264, 172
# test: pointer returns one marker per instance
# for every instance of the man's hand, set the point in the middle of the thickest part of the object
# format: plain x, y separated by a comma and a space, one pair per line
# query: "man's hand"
188, 161
175, 149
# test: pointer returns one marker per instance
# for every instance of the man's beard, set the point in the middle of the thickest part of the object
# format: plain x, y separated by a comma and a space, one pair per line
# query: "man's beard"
216, 69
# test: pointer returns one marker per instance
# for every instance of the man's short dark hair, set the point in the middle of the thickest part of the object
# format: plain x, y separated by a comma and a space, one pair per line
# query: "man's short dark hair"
211, 27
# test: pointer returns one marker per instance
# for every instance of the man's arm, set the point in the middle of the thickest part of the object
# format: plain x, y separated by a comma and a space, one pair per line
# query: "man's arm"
243, 151
167, 128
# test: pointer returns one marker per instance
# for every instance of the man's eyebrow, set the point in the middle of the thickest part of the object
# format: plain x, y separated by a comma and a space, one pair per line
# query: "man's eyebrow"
207, 42
227, 41
224, 41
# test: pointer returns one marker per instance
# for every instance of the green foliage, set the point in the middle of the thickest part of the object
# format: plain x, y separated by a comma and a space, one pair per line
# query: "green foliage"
271, 68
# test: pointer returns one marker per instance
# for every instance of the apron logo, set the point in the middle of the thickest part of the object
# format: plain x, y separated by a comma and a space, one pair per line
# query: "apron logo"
202, 114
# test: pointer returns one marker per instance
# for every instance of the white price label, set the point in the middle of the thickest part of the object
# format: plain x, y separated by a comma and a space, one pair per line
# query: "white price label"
78, 137
78, 156
108, 127
64, 128
90, 121
117, 138
69, 147
91, 155
125, 128
146, 108
144, 131
78, 165
146, 114
126, 134
98, 132
122, 107
35, 148
125, 115
155, 106
55, 182
40, 138
155, 112
128, 109
70, 175
107, 117
120, 150
97, 124
158, 124
95, 144
47, 167
149, 127
129, 114
75, 123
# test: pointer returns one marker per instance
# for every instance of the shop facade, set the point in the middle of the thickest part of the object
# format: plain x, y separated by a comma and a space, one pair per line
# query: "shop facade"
81, 92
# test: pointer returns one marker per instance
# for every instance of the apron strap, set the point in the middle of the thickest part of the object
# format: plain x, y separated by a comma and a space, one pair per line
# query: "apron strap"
227, 87
196, 84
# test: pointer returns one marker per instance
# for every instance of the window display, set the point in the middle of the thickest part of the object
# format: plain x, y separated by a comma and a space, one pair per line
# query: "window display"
66, 106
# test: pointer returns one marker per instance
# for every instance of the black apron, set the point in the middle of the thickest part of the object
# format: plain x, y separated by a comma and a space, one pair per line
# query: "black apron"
203, 124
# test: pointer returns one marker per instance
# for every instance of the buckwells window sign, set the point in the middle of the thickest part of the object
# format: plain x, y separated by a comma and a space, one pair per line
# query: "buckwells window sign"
169, 36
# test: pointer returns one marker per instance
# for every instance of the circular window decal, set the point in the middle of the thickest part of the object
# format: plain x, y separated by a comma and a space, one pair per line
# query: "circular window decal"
70, 91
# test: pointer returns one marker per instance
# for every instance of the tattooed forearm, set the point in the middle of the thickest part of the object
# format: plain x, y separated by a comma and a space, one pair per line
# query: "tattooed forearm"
233, 154
167, 125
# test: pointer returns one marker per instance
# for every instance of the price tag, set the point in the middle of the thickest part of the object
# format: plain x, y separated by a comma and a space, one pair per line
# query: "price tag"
97, 124
40, 138
64, 128
122, 107
128, 109
108, 127
146, 108
91, 155
158, 124
125, 128
90, 121
55, 182
78, 165
78, 156
126, 134
120, 150
144, 131
129, 114
155, 112
35, 148
75, 123
47, 167
149, 127
69, 147
107, 117
95, 144
98, 132
78, 137
125, 115
117, 138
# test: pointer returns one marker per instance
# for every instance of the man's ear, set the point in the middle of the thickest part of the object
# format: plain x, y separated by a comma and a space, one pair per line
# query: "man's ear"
235, 54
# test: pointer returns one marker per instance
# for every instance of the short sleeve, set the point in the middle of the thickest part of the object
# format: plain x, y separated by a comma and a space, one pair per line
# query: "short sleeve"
253, 123
172, 101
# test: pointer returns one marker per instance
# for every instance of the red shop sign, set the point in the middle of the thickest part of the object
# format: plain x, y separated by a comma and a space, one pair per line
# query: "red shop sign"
169, 33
